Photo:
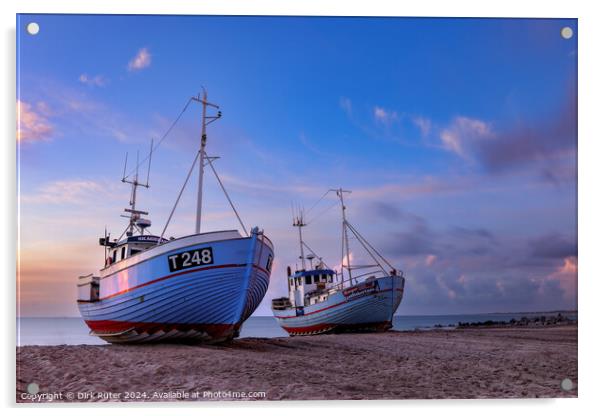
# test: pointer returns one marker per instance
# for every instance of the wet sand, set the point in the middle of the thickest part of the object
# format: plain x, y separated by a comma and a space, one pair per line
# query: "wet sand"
461, 363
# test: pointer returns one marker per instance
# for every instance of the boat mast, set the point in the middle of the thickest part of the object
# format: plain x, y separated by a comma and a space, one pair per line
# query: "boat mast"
298, 222
206, 120
345, 242
134, 213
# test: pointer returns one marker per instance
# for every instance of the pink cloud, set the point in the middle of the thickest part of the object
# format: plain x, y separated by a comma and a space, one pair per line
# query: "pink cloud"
140, 61
566, 276
32, 125
463, 131
339, 267
430, 259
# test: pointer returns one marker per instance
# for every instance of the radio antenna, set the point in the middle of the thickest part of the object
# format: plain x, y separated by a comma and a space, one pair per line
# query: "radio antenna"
125, 165
150, 158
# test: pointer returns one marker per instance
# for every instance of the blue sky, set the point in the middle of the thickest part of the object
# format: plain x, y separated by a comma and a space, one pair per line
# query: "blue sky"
457, 136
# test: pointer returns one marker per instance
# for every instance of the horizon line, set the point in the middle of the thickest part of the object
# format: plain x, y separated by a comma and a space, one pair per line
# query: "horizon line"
271, 316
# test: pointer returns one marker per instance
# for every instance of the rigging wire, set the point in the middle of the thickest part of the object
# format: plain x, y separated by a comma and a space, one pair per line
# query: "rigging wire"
227, 196
315, 217
179, 196
317, 202
315, 254
153, 148
364, 241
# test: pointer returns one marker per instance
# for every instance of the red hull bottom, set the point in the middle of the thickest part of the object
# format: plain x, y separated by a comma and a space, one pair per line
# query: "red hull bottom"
338, 328
120, 331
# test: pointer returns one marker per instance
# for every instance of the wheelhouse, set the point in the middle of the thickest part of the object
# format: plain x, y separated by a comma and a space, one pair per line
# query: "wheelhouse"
311, 279
307, 287
129, 247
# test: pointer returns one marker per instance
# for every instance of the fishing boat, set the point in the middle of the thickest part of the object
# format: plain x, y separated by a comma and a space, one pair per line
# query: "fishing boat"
196, 288
322, 300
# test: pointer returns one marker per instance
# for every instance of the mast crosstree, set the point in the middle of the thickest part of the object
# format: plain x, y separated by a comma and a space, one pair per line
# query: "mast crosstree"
299, 223
134, 214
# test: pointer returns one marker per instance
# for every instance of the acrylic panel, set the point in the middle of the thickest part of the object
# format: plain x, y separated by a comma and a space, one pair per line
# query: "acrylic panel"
295, 208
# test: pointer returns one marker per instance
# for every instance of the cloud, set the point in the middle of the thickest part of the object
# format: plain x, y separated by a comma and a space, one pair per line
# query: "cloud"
32, 125
76, 112
553, 246
93, 81
384, 116
546, 147
471, 269
543, 141
420, 187
462, 133
561, 170
390, 212
423, 124
140, 61
65, 192
417, 239
468, 233
430, 259
346, 261
565, 277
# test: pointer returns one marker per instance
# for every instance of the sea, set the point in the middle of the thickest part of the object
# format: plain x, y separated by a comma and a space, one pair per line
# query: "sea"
73, 331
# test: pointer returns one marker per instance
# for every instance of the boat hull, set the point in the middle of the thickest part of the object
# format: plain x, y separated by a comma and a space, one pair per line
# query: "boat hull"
149, 302
368, 306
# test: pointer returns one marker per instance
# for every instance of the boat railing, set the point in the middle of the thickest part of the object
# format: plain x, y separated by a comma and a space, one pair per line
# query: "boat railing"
86, 276
364, 276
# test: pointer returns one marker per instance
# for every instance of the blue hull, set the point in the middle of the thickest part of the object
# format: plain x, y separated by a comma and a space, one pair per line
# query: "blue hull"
144, 301
358, 308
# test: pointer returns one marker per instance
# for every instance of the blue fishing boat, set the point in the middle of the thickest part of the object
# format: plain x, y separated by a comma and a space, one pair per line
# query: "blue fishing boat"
199, 287
322, 300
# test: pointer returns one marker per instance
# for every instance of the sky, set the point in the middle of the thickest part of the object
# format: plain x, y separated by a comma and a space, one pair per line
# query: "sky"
457, 137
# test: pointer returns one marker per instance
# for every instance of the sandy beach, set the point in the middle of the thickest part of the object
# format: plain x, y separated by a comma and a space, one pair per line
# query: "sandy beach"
461, 363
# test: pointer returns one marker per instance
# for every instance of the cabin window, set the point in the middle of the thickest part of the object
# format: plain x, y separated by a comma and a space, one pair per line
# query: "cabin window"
308, 280
132, 252
322, 278
316, 278
114, 256
122, 252
329, 278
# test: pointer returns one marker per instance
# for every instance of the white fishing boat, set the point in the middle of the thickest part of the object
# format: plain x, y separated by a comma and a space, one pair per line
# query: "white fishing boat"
322, 300
198, 287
